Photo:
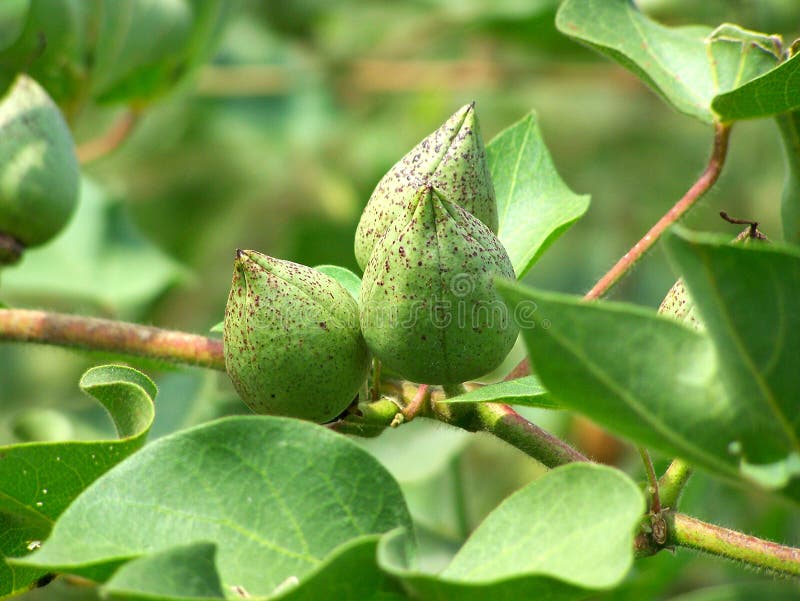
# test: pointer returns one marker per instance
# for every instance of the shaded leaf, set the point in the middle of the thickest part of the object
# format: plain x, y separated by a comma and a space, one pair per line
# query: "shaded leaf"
187, 572
774, 92
520, 550
526, 391
283, 493
748, 299
534, 205
725, 399
687, 66
39, 480
789, 128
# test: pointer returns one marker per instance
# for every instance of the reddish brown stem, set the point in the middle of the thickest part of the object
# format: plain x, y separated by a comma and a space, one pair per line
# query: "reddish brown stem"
110, 140
701, 186
21, 325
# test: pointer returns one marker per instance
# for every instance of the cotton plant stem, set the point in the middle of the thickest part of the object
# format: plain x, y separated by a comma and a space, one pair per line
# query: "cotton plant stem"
673, 482
685, 531
706, 180
505, 423
90, 333
109, 141
652, 480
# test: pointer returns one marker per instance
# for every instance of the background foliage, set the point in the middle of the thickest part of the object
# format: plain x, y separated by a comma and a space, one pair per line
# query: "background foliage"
276, 143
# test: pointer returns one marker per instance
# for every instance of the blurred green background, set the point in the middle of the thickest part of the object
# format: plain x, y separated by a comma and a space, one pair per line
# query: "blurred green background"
276, 144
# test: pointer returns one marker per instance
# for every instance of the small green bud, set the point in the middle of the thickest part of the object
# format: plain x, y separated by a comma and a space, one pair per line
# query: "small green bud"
429, 308
453, 160
39, 175
292, 341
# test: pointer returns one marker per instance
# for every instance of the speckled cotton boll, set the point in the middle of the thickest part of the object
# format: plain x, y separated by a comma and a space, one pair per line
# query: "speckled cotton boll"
452, 160
292, 341
429, 307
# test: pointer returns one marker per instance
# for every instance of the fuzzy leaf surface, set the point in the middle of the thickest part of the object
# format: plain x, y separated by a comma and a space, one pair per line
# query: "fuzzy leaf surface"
278, 497
564, 536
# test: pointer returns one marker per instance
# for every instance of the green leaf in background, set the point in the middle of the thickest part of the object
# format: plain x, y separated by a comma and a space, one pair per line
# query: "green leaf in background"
687, 66
350, 281
526, 391
99, 258
113, 51
285, 494
564, 536
725, 399
39, 480
789, 128
534, 205
774, 92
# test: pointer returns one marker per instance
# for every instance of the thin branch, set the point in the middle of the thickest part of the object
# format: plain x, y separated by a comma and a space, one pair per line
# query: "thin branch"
508, 425
417, 403
699, 188
21, 325
652, 481
110, 140
685, 531
673, 482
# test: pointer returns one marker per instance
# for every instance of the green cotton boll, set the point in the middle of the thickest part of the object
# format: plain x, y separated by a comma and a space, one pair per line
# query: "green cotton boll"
678, 305
429, 307
39, 173
453, 160
292, 341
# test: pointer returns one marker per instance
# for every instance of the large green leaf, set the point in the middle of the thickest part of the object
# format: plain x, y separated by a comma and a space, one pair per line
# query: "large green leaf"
774, 92
100, 257
789, 127
39, 480
748, 300
526, 391
687, 66
564, 536
534, 205
726, 399
278, 497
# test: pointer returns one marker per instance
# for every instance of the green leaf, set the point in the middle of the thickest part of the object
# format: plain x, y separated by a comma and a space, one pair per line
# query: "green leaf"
748, 300
526, 391
39, 480
100, 257
789, 127
564, 536
187, 572
723, 399
774, 92
687, 66
350, 281
283, 493
534, 205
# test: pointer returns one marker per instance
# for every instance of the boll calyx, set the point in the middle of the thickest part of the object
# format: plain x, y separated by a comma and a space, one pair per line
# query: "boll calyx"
291, 339
453, 160
429, 307
39, 174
